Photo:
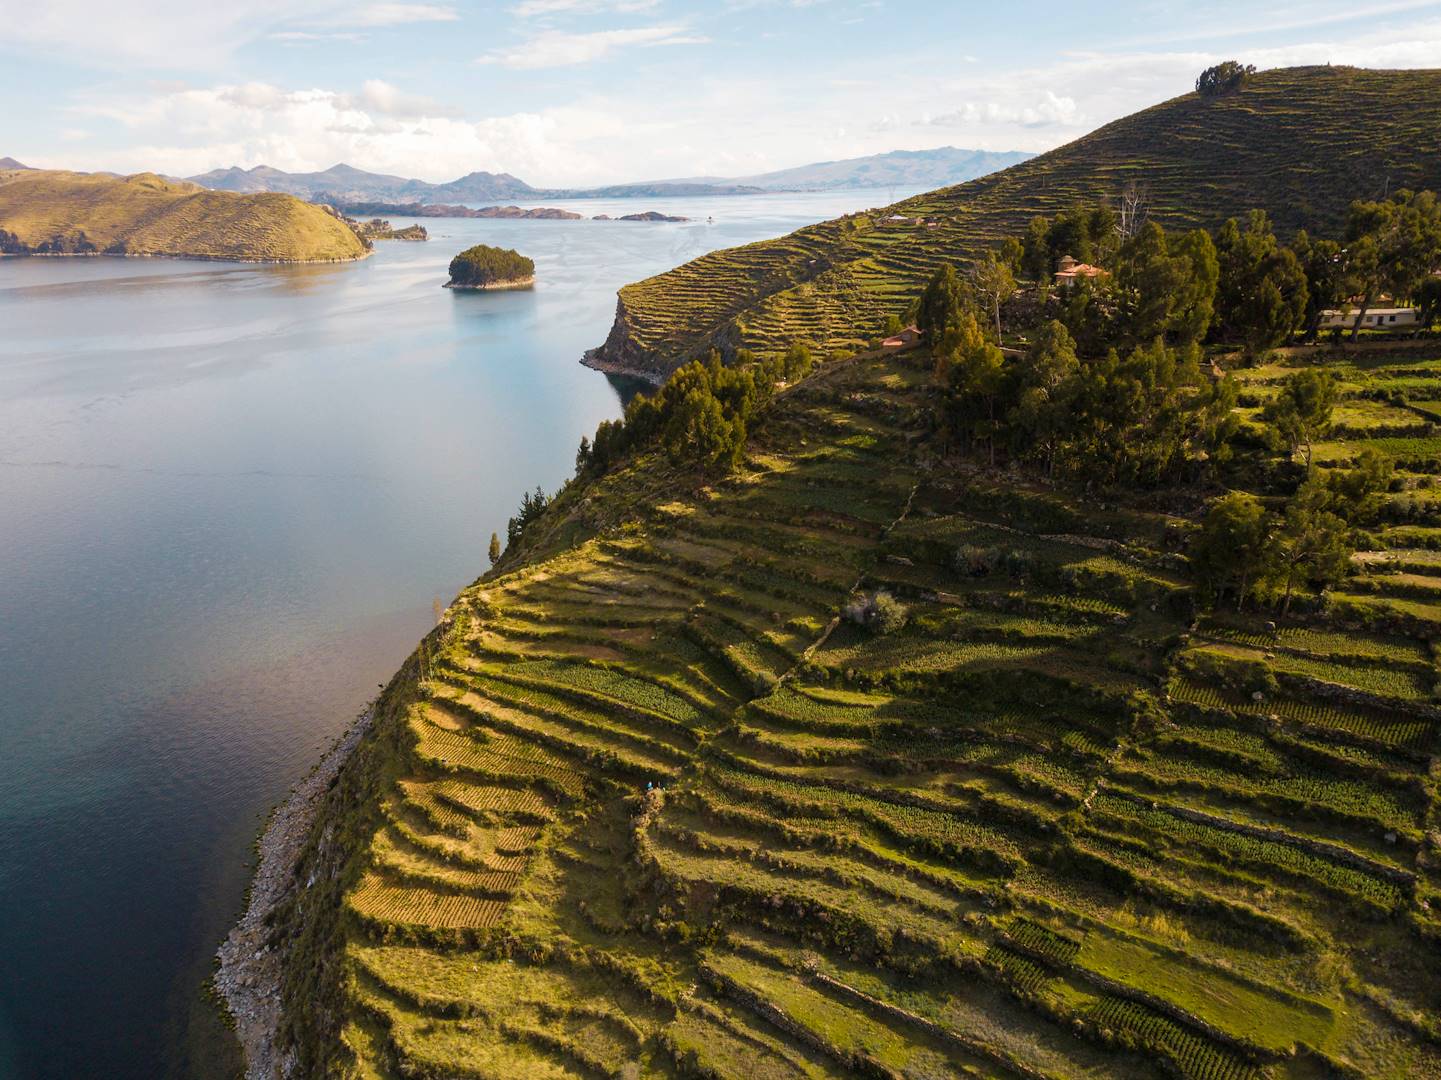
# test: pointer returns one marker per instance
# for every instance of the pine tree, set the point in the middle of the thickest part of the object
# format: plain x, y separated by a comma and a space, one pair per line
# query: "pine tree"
1301, 412
494, 548
1228, 554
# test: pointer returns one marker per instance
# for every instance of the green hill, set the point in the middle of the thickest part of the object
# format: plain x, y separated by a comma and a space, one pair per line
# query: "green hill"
1052, 827
49, 212
1301, 143
878, 755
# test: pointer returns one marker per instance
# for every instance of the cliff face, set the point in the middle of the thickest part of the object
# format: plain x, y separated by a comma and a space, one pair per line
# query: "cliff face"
621, 354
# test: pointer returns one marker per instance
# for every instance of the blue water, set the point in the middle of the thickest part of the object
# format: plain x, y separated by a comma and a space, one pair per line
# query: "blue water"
229, 495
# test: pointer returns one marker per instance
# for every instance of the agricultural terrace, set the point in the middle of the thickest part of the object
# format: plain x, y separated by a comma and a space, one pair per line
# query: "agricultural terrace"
672, 793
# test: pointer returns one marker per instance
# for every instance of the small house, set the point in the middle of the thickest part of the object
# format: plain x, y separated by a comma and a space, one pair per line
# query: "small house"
908, 338
1381, 318
1069, 271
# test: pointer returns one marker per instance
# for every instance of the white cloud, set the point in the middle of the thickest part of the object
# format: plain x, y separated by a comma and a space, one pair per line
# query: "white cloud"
528, 9
554, 48
1050, 110
399, 14
185, 34
165, 34
306, 37
186, 131
378, 96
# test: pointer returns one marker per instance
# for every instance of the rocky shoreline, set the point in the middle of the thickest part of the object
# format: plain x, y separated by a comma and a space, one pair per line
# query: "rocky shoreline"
249, 974
596, 360
494, 286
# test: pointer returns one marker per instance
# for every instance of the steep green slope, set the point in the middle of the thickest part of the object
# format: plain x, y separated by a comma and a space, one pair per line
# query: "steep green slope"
85, 213
645, 805
1301, 143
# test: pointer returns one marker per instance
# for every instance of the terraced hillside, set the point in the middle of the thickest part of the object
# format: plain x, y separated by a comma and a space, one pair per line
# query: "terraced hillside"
645, 804
1301, 143
65, 213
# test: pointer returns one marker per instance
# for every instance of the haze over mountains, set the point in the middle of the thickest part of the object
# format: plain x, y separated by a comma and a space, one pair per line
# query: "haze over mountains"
898, 169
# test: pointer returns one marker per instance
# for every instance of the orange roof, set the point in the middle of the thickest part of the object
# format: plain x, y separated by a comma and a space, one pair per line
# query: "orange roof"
1081, 270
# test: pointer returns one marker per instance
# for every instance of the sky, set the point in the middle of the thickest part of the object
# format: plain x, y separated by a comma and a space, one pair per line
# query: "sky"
576, 92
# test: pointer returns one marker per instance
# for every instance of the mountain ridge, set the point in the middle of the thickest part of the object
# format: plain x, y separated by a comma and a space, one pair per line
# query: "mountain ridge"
345, 183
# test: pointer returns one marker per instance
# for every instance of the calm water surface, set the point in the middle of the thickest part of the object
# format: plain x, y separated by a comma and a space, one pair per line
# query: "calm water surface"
228, 497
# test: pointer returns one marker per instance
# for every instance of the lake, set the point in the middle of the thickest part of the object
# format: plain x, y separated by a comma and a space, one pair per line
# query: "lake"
229, 495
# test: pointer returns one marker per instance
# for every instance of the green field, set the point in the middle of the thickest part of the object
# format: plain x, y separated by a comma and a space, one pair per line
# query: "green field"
599, 838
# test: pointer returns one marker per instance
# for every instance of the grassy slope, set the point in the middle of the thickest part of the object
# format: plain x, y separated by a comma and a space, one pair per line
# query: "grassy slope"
145, 215
1045, 830
1300, 142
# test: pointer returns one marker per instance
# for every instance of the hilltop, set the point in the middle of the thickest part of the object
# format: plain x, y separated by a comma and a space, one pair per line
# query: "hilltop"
48, 212
1300, 143
11, 163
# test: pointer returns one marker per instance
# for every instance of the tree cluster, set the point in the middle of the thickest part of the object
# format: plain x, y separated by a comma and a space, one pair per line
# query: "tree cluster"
484, 265
1244, 550
1244, 287
698, 418
532, 505
1087, 234
1113, 390
1223, 78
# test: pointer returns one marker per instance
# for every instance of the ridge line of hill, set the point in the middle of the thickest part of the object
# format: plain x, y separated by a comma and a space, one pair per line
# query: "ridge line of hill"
1299, 143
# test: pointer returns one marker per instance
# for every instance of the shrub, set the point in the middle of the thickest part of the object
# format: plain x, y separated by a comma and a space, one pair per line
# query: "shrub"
880, 612
975, 560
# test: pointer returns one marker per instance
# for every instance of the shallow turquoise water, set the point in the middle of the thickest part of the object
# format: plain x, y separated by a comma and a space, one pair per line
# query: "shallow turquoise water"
228, 497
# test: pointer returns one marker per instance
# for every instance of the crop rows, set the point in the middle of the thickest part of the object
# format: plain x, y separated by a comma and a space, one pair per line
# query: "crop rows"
1197, 1058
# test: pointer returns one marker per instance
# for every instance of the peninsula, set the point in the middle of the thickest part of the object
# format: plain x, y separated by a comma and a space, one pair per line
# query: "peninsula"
45, 212
1052, 698
485, 267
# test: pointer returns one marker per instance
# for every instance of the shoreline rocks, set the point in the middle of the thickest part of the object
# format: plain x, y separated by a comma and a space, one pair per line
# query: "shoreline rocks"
493, 286
248, 976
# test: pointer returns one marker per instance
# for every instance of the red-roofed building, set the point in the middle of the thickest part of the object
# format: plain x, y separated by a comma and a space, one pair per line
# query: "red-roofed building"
1069, 271
908, 338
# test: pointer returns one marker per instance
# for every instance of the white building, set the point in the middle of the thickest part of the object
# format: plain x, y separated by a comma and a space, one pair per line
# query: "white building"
1381, 318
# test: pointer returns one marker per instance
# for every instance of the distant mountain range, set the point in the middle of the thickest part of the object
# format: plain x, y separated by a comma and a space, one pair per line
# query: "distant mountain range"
11, 163
919, 169
907, 169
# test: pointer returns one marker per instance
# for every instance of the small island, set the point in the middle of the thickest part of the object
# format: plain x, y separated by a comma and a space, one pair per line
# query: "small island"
380, 229
485, 267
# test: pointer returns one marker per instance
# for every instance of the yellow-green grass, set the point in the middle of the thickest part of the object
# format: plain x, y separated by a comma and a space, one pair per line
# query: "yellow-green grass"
144, 214
1043, 830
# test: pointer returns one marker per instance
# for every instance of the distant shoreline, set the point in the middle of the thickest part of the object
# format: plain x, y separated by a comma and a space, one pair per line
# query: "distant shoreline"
176, 255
